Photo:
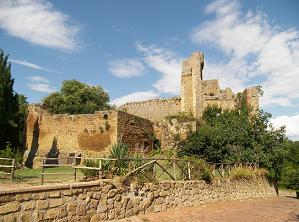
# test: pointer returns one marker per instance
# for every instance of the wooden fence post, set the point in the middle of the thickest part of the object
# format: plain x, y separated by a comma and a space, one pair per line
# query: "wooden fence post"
189, 171
43, 170
174, 173
12, 169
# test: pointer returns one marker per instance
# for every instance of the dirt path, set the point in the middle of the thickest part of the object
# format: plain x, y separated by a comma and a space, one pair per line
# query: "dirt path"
270, 210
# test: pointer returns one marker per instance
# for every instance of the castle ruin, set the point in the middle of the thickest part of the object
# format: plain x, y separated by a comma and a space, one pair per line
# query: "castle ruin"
196, 95
135, 123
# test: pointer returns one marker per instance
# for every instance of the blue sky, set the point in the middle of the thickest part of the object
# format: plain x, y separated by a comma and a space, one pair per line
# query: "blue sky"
134, 49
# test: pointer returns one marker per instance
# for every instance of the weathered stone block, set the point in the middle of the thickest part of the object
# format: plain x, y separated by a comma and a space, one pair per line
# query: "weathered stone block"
56, 202
23, 197
10, 207
42, 204
29, 205
8, 218
54, 194
51, 214
26, 217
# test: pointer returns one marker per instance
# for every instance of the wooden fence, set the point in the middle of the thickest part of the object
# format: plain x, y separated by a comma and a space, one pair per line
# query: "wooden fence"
8, 164
158, 168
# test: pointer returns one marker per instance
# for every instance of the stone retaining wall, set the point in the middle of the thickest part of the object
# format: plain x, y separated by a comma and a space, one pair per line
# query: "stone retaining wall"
102, 200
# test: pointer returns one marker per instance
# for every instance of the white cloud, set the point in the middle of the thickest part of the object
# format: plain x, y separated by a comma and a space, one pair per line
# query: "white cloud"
257, 51
40, 84
291, 123
38, 22
32, 65
135, 97
167, 63
125, 68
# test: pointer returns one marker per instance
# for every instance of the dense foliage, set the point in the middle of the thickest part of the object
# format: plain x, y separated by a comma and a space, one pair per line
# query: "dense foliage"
12, 108
238, 136
76, 98
290, 175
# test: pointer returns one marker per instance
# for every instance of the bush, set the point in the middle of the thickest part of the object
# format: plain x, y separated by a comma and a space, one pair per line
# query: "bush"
200, 170
241, 173
8, 152
90, 172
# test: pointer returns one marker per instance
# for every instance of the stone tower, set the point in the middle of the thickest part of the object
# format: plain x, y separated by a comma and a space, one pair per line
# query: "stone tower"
192, 84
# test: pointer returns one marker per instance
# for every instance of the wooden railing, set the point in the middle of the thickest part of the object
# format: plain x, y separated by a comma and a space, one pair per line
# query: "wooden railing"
160, 168
8, 163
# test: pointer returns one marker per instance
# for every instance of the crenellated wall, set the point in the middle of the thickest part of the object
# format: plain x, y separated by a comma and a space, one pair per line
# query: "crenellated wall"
155, 109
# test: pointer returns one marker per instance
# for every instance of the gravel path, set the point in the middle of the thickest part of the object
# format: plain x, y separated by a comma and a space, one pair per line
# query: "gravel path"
270, 210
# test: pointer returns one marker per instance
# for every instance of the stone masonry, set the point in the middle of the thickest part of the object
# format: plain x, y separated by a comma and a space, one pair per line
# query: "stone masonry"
65, 135
133, 123
103, 200
196, 95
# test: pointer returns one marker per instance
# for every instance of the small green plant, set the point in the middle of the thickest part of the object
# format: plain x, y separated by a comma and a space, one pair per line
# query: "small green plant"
90, 172
9, 153
207, 175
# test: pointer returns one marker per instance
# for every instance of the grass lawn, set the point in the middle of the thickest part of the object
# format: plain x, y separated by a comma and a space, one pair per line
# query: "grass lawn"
33, 176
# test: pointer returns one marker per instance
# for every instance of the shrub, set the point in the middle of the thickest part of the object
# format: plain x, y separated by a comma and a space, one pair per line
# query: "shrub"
8, 152
241, 173
90, 172
200, 170
207, 175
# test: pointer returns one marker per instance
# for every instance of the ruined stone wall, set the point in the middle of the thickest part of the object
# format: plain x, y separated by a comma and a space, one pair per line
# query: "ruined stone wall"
211, 88
168, 131
100, 200
191, 84
252, 98
155, 109
48, 135
134, 131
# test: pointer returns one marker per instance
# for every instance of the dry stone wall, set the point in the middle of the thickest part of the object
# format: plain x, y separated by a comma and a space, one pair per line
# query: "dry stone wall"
154, 110
102, 200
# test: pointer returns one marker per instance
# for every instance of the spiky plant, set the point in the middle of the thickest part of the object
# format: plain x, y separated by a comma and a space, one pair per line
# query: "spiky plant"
120, 166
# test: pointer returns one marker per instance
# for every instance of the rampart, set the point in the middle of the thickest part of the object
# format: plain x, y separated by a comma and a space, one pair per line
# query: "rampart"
65, 135
103, 200
155, 109
196, 95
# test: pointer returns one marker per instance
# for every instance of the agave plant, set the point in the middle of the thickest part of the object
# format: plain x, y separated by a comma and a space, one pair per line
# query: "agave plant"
119, 167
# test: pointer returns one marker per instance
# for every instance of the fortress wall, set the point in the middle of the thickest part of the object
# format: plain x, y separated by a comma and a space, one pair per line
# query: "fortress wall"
224, 103
252, 98
79, 134
134, 131
153, 110
186, 93
211, 87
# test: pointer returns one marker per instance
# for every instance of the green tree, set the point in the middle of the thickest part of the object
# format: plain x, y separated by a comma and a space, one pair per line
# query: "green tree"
290, 174
238, 136
9, 106
76, 97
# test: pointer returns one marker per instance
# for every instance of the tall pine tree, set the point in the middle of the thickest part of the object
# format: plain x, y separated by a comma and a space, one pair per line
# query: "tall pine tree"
9, 107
